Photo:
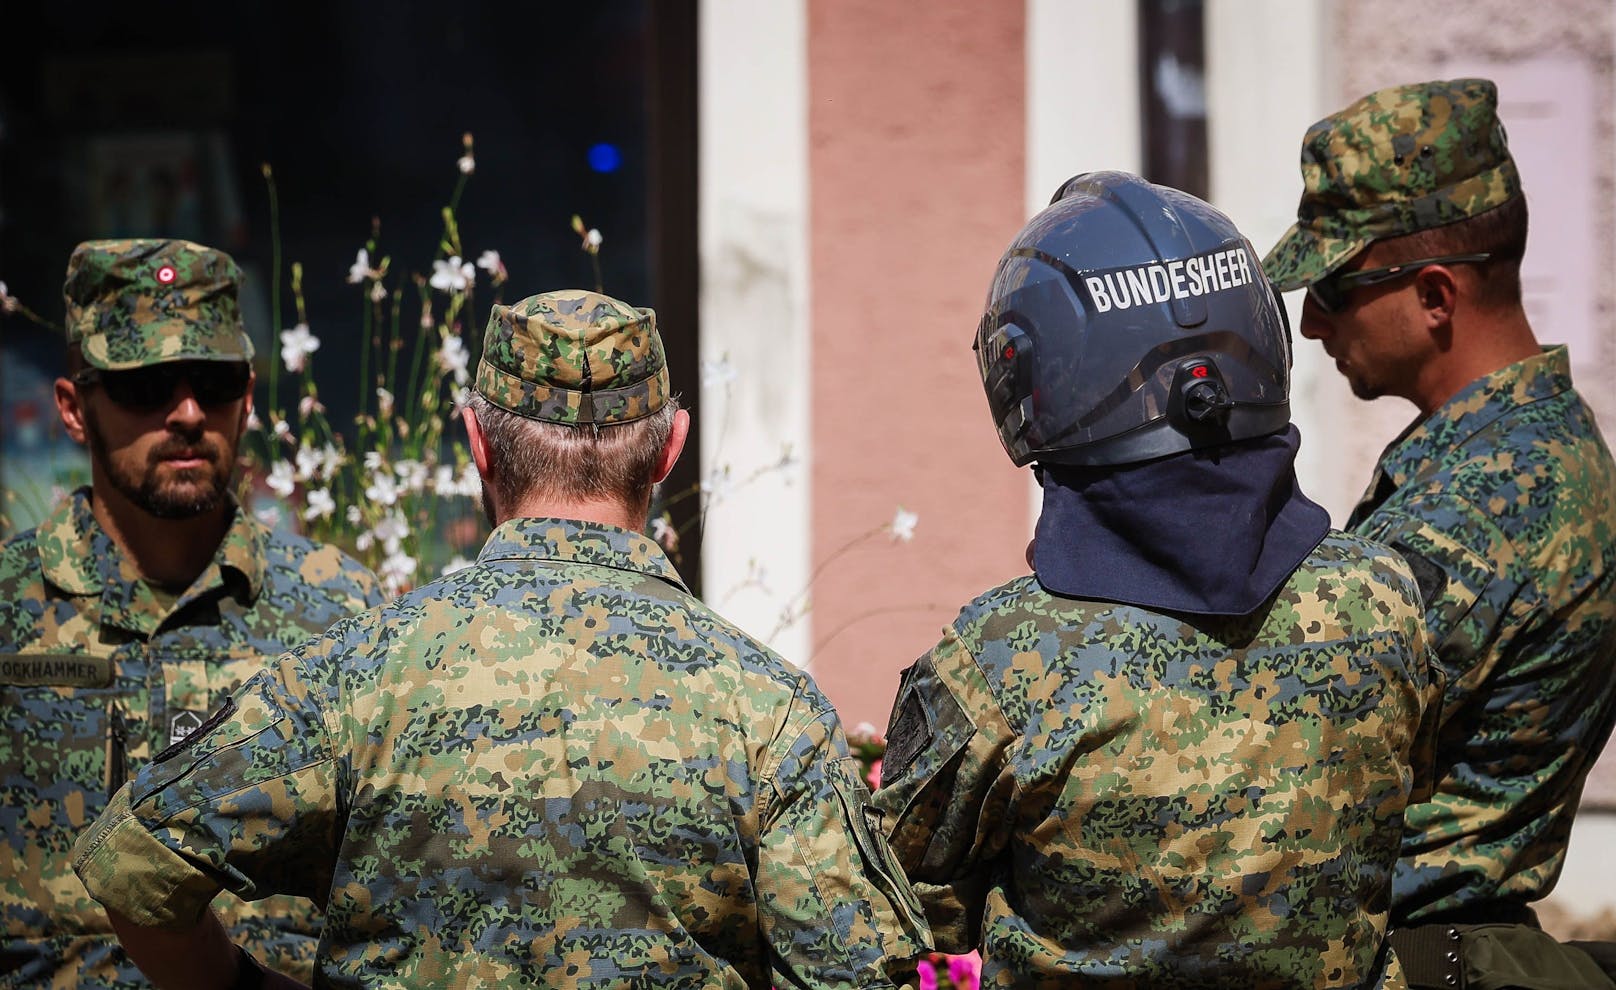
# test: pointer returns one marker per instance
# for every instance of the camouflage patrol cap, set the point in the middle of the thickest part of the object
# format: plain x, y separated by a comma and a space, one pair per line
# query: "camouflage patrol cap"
132, 303
1397, 161
573, 357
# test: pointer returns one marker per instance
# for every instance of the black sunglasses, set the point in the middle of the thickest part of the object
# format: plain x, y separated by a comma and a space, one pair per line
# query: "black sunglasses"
214, 383
1331, 292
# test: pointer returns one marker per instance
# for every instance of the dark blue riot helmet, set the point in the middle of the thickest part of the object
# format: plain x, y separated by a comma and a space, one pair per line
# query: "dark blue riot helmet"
1128, 321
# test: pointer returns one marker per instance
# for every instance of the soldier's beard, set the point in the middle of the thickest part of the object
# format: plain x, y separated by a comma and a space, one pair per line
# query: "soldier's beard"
184, 494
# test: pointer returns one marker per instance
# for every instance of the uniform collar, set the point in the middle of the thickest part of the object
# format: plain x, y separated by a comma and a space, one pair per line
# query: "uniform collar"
1474, 408
578, 542
77, 556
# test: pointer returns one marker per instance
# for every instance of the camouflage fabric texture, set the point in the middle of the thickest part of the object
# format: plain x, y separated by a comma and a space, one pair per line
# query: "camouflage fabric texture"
133, 303
1101, 795
98, 673
1397, 161
552, 768
1504, 500
573, 357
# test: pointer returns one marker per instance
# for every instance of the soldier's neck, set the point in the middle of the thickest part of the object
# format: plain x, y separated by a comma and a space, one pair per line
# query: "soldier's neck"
170, 553
609, 512
1480, 346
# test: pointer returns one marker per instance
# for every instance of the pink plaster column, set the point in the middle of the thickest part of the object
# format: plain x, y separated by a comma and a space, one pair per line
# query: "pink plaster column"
917, 131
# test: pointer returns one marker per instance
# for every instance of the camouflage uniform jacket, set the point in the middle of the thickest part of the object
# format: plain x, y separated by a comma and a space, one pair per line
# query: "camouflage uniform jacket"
1504, 503
1098, 794
98, 674
554, 767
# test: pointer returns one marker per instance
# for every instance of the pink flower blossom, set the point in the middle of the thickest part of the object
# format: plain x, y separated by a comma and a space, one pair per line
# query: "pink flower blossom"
965, 971
928, 974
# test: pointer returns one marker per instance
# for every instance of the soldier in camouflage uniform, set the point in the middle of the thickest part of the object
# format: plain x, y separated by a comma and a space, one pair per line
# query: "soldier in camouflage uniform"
1501, 494
143, 599
555, 767
1179, 752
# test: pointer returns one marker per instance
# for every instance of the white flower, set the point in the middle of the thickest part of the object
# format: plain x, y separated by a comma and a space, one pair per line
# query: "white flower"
309, 404
364, 541
719, 372
330, 461
488, 261
466, 164
7, 304
902, 526
296, 345
320, 504
308, 462
453, 357
443, 480
281, 480
716, 485
664, 533
360, 269
411, 475
452, 275
378, 292
382, 489
864, 729
391, 531
283, 429
373, 460
353, 515
460, 397
592, 241
384, 403
395, 572
253, 422
269, 515
471, 483
458, 563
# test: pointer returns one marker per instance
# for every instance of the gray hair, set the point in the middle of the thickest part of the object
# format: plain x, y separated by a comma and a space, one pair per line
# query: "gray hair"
530, 457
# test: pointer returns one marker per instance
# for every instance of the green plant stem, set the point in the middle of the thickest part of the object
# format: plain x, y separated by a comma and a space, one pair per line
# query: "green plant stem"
813, 576
274, 291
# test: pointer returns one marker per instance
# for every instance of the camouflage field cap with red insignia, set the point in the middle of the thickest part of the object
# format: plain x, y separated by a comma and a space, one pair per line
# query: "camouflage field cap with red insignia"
132, 303
573, 357
1399, 160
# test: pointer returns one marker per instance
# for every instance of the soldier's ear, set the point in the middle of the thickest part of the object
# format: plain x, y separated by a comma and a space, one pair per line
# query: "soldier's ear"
675, 445
70, 406
475, 438
1438, 290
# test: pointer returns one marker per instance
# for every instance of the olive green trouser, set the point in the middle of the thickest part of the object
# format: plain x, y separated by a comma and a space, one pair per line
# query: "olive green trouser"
1496, 957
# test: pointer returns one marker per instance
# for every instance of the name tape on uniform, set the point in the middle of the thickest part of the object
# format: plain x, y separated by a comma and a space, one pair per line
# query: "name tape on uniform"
57, 669
1157, 282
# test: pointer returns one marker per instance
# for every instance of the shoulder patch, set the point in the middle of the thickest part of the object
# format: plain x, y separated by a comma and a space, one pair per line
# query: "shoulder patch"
909, 730
196, 735
1429, 575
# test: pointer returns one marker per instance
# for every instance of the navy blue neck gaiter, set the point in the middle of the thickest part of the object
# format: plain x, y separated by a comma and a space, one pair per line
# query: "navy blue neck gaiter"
1209, 532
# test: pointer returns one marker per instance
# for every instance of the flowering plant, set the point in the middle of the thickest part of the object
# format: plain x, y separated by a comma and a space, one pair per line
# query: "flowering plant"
397, 475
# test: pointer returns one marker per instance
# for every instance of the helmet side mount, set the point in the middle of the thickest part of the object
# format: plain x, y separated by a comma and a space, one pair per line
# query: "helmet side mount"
1199, 400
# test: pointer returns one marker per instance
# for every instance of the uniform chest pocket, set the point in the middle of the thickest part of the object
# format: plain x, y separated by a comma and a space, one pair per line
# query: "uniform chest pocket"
193, 688
66, 739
